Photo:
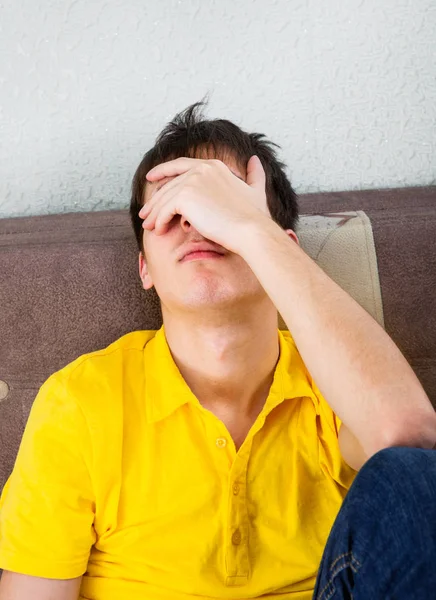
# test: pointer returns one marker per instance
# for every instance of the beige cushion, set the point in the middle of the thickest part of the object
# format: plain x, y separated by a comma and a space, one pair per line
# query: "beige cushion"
342, 244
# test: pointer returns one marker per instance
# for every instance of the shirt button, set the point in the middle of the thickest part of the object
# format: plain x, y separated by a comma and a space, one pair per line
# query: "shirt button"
236, 537
236, 489
221, 442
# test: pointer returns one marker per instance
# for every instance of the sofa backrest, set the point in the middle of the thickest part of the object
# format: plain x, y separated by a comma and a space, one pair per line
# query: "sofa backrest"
70, 285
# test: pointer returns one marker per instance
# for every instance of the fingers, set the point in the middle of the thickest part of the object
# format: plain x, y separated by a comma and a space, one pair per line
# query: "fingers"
163, 211
255, 174
166, 213
157, 196
171, 168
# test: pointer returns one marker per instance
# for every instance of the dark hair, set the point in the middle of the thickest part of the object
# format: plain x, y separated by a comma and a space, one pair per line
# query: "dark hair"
188, 133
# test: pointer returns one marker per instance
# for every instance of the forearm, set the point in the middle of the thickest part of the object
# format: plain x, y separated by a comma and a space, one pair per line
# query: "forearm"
360, 371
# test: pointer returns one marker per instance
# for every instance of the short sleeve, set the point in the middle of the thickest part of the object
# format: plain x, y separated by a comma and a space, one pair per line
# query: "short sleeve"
330, 456
47, 505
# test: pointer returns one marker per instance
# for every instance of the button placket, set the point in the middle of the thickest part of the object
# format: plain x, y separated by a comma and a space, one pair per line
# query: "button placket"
236, 537
238, 566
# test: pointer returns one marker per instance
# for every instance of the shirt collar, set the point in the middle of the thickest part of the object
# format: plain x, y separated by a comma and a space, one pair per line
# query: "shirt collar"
166, 390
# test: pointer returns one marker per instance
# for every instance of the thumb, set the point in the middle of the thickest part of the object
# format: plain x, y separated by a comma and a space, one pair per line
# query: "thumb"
255, 174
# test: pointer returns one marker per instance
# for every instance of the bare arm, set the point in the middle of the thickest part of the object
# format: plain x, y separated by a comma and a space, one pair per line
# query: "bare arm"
15, 586
360, 371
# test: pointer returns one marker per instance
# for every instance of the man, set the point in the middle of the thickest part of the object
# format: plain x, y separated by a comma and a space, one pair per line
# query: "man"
202, 460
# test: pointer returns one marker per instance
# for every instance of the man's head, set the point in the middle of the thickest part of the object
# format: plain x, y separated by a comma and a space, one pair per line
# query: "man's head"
204, 282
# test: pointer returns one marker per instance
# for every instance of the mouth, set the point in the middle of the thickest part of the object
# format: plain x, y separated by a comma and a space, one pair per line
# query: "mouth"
202, 254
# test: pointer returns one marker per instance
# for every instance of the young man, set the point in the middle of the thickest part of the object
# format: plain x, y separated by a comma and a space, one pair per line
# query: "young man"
202, 460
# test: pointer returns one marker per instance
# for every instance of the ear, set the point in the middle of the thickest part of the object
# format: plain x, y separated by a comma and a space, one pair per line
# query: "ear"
293, 236
144, 273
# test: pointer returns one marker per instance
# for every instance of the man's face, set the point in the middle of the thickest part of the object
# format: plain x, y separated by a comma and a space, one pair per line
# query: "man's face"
224, 282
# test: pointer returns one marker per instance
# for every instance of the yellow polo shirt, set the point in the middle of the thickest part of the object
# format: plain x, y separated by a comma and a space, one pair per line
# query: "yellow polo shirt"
124, 477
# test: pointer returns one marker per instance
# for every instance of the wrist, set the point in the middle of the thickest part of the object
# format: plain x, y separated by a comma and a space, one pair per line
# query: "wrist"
256, 233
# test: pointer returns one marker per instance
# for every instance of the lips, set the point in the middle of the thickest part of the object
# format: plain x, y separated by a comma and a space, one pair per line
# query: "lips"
202, 256
200, 247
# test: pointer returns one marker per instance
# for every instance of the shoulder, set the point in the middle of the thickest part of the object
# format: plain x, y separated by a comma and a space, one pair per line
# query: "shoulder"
100, 376
303, 384
126, 348
297, 380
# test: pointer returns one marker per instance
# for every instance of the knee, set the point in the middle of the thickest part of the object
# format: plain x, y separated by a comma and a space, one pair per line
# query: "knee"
395, 493
400, 471
399, 460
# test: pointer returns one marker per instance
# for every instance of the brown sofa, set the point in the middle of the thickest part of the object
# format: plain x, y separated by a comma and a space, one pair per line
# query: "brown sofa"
70, 285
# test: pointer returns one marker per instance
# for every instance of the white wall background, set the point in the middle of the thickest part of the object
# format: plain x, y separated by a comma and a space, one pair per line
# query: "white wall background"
346, 87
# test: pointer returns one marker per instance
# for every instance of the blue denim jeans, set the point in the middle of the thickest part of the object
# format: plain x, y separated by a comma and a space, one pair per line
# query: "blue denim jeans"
382, 545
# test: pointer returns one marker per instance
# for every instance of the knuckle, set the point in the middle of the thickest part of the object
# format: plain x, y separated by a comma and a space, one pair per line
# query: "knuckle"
194, 174
216, 162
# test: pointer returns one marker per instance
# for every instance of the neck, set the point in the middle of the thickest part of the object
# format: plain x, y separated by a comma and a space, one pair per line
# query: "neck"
229, 366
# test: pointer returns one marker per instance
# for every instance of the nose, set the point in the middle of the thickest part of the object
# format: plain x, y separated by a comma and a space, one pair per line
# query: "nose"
185, 224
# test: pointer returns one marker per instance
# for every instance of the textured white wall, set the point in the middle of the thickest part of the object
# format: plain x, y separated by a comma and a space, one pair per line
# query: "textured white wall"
348, 89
